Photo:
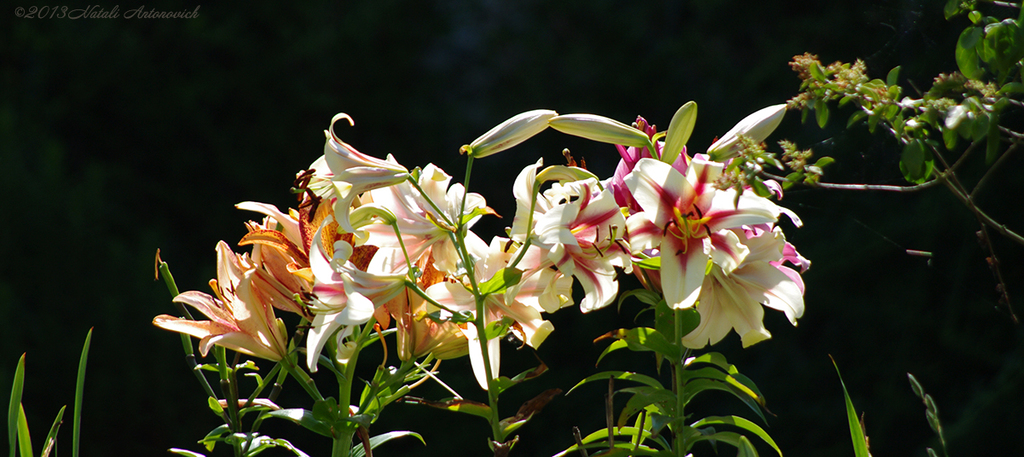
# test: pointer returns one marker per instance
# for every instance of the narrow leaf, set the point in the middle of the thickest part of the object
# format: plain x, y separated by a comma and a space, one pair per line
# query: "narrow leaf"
302, 417
378, 440
51, 437
742, 423
79, 392
860, 445
15, 405
24, 440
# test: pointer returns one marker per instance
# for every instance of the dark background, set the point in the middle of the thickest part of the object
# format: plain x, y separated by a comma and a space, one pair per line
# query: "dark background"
118, 137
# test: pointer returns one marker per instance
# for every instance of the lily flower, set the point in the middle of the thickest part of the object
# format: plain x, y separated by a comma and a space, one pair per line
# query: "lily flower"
688, 220
583, 237
280, 257
241, 316
419, 221
346, 294
354, 172
732, 301
455, 296
417, 335
630, 156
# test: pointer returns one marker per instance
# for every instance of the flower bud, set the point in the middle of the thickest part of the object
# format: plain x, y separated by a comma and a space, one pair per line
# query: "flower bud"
600, 128
513, 131
756, 126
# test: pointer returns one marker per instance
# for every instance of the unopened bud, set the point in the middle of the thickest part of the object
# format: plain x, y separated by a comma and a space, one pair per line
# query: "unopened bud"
756, 126
600, 128
513, 131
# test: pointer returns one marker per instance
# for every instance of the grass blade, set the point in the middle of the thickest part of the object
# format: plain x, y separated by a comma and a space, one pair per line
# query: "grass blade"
51, 438
24, 440
79, 390
15, 405
860, 445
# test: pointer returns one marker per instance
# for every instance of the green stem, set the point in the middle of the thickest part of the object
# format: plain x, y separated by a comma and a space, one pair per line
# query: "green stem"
480, 320
343, 440
677, 387
300, 375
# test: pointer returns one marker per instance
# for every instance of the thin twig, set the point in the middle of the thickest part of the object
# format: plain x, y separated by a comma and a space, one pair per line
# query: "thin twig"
960, 192
1002, 159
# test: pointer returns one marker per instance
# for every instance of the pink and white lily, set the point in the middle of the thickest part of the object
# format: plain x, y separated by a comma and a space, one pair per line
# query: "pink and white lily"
687, 219
345, 295
732, 301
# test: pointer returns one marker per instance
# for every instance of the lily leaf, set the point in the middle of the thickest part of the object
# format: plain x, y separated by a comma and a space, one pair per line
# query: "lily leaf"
508, 277
302, 417
645, 339
742, 423
645, 396
618, 375
454, 404
358, 451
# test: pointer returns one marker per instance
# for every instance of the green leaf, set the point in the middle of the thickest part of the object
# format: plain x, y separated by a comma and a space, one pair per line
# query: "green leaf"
508, 277
653, 263
1003, 45
645, 296
824, 161
857, 116
259, 443
358, 451
821, 113
598, 439
967, 58
760, 189
697, 386
644, 396
302, 417
860, 446
24, 440
646, 339
616, 345
214, 405
184, 452
498, 328
916, 162
817, 72
217, 435
79, 392
892, 77
739, 422
951, 9
679, 131
15, 405
51, 437
949, 137
1012, 88
619, 375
